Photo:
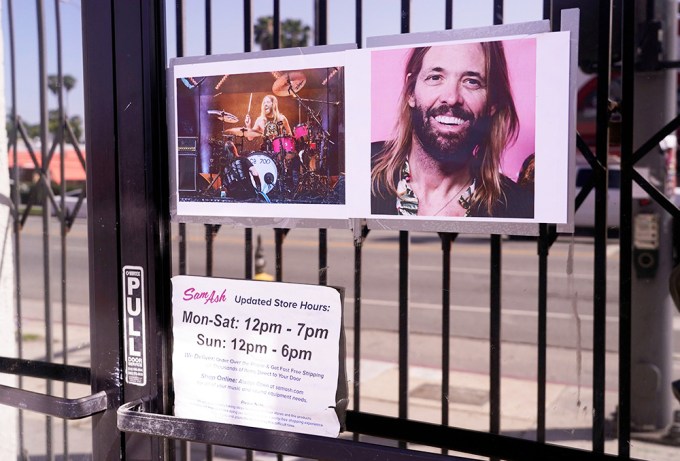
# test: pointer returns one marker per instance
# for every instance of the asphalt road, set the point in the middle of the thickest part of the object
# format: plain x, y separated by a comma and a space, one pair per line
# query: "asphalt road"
570, 302
569, 295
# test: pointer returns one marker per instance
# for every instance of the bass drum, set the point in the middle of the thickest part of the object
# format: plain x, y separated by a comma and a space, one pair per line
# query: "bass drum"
267, 171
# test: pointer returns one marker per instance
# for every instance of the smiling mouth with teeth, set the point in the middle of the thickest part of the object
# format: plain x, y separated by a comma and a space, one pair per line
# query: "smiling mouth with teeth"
447, 120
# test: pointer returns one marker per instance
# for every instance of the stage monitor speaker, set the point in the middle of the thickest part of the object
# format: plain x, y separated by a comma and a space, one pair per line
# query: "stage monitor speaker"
187, 173
186, 163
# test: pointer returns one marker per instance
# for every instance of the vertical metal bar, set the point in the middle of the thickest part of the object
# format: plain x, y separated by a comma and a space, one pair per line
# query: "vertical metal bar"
209, 249
405, 16
63, 216
543, 248
625, 231
210, 230
182, 227
42, 79
249, 275
249, 252
208, 26
102, 209
247, 46
495, 336
448, 14
279, 235
497, 12
600, 176
404, 239
323, 257
184, 448
495, 303
547, 10
179, 27
139, 47
276, 38
321, 29
182, 248
247, 25
358, 23
358, 250
446, 326
16, 199
209, 240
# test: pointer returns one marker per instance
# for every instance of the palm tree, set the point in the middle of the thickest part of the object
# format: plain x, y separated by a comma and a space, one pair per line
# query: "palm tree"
53, 84
293, 33
264, 32
68, 82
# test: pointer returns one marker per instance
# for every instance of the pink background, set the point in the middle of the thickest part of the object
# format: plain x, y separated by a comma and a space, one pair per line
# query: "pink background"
387, 70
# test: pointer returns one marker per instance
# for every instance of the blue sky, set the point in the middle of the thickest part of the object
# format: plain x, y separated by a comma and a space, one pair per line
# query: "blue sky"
381, 17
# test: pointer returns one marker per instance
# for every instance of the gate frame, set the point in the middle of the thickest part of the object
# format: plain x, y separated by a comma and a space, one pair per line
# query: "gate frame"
124, 62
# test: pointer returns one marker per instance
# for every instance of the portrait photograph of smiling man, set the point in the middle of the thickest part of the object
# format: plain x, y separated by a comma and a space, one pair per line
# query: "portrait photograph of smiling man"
453, 130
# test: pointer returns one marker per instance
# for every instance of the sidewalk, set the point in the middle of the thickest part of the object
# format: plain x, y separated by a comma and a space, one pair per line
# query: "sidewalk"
567, 423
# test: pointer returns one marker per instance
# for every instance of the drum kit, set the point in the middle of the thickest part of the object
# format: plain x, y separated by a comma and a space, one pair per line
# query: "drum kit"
288, 166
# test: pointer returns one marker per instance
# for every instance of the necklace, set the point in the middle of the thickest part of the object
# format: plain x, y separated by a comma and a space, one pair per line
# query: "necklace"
407, 201
461, 200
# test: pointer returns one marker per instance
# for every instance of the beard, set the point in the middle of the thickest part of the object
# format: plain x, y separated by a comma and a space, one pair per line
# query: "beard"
454, 149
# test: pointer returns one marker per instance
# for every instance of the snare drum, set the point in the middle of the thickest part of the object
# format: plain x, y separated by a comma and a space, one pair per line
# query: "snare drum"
301, 131
266, 169
283, 144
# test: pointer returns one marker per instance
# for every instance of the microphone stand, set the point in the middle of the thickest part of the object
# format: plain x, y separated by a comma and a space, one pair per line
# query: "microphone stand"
309, 111
309, 180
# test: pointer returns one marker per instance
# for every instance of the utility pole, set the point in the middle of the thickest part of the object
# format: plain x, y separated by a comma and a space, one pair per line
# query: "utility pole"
652, 309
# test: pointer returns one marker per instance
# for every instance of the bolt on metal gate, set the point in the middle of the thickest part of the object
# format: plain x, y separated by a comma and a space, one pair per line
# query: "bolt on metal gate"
127, 41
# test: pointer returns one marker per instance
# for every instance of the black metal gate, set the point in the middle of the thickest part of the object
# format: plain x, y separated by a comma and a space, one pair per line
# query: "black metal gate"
125, 47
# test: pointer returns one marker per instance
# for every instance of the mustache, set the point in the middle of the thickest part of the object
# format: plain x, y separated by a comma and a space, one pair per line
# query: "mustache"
450, 111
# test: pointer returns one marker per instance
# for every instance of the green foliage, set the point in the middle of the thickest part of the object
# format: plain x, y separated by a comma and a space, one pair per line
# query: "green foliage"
293, 33
75, 122
33, 130
68, 82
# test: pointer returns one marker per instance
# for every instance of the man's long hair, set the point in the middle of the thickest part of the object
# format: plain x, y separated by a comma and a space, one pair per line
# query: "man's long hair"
503, 129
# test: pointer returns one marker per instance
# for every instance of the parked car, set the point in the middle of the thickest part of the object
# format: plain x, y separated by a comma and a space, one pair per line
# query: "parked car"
584, 217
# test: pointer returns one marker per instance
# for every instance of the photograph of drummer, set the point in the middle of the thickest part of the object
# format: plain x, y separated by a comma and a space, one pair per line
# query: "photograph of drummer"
271, 123
264, 137
455, 118
276, 132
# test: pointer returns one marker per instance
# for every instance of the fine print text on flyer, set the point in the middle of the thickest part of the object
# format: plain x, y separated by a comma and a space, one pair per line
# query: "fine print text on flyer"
258, 354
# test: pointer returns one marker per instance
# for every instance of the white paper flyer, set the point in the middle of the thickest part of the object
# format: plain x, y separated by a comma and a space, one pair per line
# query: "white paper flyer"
260, 354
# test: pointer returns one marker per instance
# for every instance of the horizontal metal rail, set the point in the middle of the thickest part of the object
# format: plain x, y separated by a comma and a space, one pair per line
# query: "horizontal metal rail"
54, 406
466, 440
133, 417
45, 370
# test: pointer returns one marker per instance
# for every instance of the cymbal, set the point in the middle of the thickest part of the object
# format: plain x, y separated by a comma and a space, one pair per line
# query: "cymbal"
243, 131
297, 81
224, 116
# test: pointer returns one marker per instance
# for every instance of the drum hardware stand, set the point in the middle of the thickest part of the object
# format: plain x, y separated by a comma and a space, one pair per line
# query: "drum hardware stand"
212, 182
